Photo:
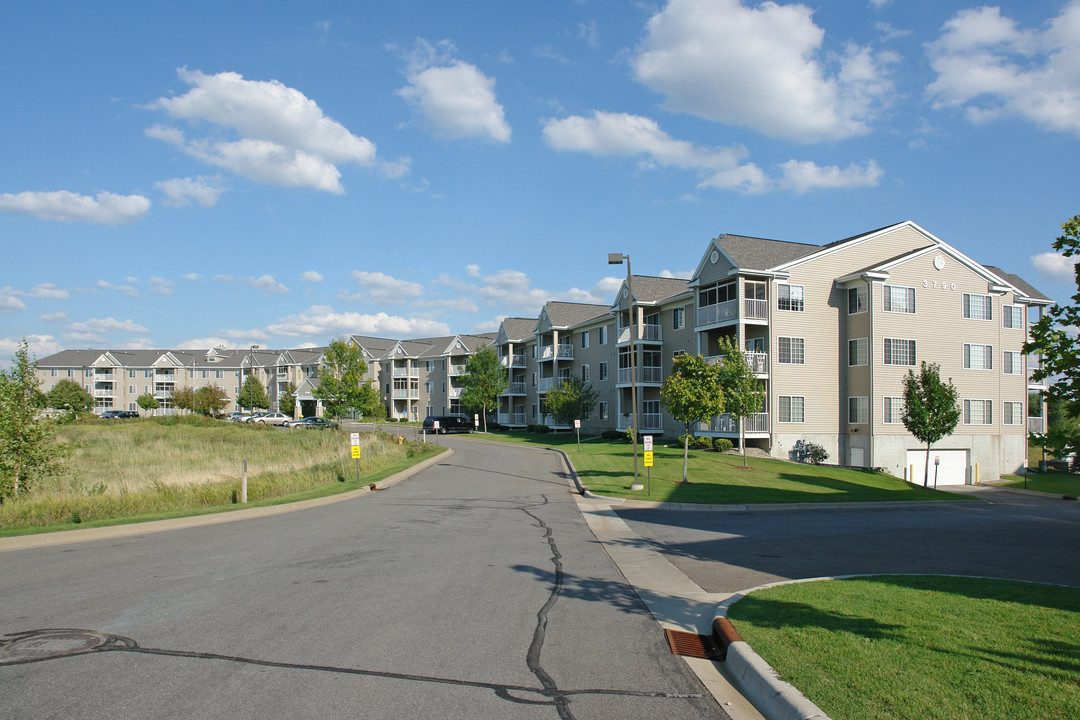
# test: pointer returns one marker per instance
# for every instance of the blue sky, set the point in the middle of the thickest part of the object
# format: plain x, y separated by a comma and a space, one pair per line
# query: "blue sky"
194, 174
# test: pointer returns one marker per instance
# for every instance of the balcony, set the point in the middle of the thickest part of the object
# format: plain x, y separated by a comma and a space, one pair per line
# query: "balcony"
406, 372
757, 361
647, 422
1032, 383
557, 352
755, 309
646, 375
455, 370
756, 424
406, 393
454, 393
517, 361
512, 418
100, 374
515, 388
104, 393
648, 333
549, 420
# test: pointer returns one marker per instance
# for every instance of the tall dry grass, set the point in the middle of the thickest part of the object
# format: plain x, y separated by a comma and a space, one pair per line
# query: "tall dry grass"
172, 465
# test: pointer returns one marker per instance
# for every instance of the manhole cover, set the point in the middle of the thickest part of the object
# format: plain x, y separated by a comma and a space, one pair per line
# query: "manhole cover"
41, 644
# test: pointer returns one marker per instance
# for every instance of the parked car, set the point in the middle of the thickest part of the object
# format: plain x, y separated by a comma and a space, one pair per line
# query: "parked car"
118, 414
272, 419
312, 423
447, 424
254, 416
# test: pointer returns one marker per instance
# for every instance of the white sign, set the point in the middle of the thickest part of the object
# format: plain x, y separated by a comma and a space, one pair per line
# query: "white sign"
354, 438
648, 443
577, 424
435, 424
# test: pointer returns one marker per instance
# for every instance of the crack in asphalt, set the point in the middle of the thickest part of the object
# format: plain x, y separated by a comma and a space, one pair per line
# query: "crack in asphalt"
11, 643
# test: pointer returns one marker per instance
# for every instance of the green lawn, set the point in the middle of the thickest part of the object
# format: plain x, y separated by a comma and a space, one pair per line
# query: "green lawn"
922, 646
607, 468
1057, 483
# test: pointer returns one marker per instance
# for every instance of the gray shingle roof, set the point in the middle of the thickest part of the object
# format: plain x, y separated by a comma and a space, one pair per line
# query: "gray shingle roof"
650, 289
761, 254
1019, 282
565, 314
519, 329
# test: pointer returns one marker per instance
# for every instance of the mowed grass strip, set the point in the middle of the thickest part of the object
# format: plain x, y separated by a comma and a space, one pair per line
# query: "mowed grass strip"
171, 467
607, 468
918, 647
1057, 483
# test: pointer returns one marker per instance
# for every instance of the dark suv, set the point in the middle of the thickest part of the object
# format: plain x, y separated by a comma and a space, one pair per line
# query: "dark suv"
448, 424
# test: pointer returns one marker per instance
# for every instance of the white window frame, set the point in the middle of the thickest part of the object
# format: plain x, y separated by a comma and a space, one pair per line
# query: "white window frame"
987, 306
678, 318
790, 398
888, 300
1012, 317
795, 300
603, 410
602, 337
1012, 362
584, 339
858, 410
862, 351
987, 357
603, 371
892, 410
988, 410
791, 354
584, 373
862, 300
1017, 413
888, 350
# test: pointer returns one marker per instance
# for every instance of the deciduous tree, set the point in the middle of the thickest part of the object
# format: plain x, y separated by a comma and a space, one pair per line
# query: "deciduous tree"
287, 403
692, 394
184, 398
71, 397
27, 450
484, 380
209, 400
1055, 335
253, 394
341, 376
743, 394
931, 408
147, 402
572, 399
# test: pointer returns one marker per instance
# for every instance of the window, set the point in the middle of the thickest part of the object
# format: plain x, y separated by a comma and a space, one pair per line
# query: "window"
677, 353
978, 412
534, 379
427, 389
584, 373
791, 409
857, 351
893, 411
601, 338
789, 297
898, 299
534, 411
1013, 413
149, 373
1012, 363
678, 318
603, 371
603, 410
899, 351
978, 357
131, 373
1012, 317
790, 351
585, 339
856, 300
219, 374
978, 307
717, 294
858, 410
131, 389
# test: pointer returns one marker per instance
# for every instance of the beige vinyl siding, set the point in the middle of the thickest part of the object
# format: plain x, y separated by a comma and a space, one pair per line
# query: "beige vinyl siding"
714, 272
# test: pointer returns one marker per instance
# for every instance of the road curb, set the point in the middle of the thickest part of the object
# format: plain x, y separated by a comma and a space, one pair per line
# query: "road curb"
66, 537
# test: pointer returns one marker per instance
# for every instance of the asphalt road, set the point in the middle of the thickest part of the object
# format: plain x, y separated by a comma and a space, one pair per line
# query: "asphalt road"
472, 590
1001, 534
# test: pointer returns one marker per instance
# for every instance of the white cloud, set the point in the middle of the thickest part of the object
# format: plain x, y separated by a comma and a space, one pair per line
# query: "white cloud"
105, 208
10, 303
760, 67
180, 192
268, 162
453, 98
56, 317
321, 321
681, 274
1054, 267
266, 110
311, 277
139, 344
628, 135
267, 283
512, 290
126, 289
95, 329
161, 286
377, 287
48, 290
39, 346
991, 68
805, 176
210, 342
9, 296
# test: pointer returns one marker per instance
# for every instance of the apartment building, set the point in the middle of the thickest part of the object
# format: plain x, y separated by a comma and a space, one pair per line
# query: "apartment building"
830, 331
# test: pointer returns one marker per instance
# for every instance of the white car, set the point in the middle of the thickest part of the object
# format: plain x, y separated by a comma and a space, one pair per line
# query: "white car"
273, 419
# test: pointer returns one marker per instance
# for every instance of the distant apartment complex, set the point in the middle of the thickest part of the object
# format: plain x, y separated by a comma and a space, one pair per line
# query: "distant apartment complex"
829, 330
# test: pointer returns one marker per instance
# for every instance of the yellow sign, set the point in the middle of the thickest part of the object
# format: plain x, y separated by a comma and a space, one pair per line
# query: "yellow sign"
356, 452
648, 459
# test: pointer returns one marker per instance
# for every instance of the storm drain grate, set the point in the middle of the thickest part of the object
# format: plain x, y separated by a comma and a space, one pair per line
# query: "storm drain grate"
691, 644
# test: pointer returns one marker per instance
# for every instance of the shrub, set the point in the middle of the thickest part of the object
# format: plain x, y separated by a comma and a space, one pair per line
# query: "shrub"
722, 444
612, 435
703, 443
816, 453
542, 429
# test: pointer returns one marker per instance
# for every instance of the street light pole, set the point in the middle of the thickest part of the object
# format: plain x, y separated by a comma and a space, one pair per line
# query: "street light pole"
617, 259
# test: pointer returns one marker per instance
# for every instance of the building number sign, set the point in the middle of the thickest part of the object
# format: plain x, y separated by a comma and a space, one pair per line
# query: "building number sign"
942, 285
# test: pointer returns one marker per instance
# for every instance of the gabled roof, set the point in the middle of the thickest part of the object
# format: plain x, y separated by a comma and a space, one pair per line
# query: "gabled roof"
652, 290
566, 314
761, 254
516, 329
1020, 284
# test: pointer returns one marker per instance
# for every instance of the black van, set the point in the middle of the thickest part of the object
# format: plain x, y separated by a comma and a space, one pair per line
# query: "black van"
448, 424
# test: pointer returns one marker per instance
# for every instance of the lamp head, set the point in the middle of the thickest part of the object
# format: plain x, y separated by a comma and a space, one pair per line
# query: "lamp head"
615, 258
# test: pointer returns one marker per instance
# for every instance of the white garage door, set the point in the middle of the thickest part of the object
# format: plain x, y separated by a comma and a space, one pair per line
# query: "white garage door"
952, 469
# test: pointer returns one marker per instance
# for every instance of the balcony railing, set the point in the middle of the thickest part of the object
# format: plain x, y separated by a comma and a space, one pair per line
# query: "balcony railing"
757, 361
515, 388
1036, 425
516, 361
549, 420
512, 418
456, 370
647, 422
648, 333
401, 372
646, 374
718, 313
406, 394
755, 309
756, 423
104, 393
454, 392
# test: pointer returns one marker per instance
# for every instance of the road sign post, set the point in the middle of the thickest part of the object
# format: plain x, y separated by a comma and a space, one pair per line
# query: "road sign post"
648, 461
354, 442
577, 429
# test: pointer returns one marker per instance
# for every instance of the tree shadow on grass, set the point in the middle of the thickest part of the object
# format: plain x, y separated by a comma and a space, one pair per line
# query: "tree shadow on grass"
784, 615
